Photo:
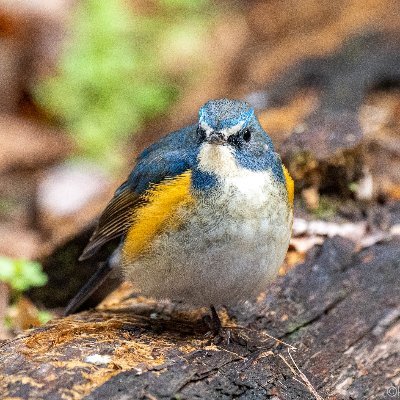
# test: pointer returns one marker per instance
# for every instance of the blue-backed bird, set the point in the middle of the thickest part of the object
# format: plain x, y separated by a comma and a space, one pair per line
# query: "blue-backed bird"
205, 216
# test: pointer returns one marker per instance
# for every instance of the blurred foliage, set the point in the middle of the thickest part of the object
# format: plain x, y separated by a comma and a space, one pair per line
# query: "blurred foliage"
327, 208
6, 206
21, 274
44, 316
111, 76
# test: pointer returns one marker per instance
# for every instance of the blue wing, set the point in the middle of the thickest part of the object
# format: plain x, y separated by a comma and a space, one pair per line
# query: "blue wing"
170, 156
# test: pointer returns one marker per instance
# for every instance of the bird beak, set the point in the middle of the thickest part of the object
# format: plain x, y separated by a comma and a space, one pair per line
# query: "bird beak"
216, 138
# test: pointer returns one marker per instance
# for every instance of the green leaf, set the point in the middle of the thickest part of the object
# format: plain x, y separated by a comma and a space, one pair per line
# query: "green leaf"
44, 316
21, 274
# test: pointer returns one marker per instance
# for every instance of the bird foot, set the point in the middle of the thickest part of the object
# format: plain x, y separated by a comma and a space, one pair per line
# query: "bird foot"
221, 335
227, 336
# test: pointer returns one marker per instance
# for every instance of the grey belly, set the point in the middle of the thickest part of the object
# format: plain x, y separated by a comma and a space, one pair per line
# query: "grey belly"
212, 262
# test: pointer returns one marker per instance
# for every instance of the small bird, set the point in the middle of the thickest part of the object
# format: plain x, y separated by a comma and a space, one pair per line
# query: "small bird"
205, 216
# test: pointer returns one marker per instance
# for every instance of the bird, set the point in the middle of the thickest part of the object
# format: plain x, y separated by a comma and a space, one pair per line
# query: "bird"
205, 216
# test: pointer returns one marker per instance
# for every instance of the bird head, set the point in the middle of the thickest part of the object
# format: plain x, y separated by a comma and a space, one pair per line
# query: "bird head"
232, 141
225, 122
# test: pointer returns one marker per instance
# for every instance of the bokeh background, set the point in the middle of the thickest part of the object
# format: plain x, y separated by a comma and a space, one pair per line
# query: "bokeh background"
85, 85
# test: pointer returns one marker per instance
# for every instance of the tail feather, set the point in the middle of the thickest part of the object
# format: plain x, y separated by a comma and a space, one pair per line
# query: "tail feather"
89, 288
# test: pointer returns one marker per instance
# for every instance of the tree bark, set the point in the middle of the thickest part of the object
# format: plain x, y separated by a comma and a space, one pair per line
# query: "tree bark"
340, 309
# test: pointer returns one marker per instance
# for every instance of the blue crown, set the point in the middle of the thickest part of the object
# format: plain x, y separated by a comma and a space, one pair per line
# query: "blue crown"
224, 113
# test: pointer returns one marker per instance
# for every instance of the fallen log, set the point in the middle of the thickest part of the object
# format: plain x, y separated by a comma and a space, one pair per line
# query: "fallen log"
340, 310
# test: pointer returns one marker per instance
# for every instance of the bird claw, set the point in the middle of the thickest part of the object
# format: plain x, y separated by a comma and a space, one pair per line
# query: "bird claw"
221, 335
227, 337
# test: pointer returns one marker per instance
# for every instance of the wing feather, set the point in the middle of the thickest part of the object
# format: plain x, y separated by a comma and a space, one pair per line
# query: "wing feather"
114, 221
169, 157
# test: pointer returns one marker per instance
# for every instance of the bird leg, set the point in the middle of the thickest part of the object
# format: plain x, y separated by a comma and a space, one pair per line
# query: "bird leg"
216, 326
220, 333
213, 323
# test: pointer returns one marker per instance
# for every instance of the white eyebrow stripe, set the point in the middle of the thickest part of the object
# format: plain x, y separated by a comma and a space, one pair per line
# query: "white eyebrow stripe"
232, 130
226, 132
206, 127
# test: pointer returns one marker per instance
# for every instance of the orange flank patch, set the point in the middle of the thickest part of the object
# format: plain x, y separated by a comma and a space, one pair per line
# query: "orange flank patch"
162, 202
289, 185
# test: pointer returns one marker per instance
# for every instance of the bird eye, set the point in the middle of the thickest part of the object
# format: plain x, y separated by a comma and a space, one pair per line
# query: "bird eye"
246, 135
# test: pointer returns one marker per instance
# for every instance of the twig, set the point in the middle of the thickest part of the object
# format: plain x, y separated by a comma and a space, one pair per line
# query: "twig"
263, 333
297, 372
